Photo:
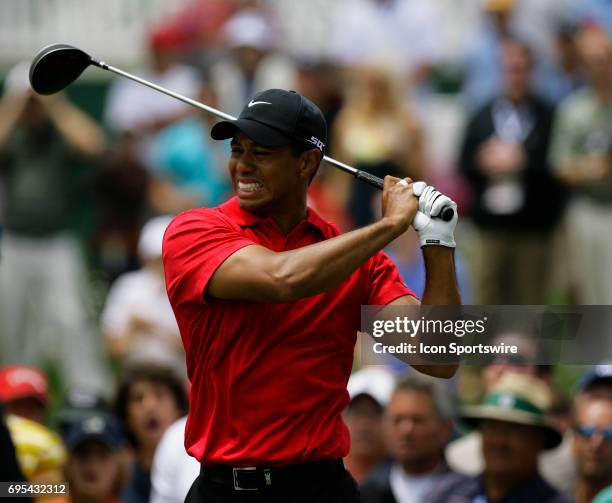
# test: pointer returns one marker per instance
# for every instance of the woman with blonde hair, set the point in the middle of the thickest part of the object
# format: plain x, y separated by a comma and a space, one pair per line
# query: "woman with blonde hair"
375, 131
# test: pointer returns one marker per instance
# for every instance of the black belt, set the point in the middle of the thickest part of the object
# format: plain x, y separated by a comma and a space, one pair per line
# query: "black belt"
253, 478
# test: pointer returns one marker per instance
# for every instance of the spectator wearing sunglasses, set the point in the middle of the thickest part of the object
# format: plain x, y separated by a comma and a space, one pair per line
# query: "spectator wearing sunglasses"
592, 441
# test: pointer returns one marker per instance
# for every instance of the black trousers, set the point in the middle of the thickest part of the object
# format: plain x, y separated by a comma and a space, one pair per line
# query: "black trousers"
331, 489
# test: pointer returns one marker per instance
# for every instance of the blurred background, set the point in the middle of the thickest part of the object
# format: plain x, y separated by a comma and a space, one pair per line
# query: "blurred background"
504, 105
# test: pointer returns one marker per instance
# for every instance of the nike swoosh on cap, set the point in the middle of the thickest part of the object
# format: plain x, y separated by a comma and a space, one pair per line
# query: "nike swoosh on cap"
252, 103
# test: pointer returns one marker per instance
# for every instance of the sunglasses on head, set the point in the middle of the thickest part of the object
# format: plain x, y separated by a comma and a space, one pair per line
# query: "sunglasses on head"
590, 431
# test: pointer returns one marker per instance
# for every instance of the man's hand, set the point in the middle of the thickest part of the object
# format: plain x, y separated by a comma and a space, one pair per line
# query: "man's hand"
47, 102
431, 230
596, 167
12, 107
498, 157
586, 169
399, 203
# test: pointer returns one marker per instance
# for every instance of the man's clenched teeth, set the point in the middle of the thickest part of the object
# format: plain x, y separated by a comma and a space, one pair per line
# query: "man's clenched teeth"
250, 186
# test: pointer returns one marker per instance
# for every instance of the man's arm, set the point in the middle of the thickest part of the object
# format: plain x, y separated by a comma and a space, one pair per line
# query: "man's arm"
256, 273
440, 289
438, 245
440, 277
11, 109
585, 169
78, 129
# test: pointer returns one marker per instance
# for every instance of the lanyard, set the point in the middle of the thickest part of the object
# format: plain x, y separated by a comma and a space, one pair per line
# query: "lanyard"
512, 123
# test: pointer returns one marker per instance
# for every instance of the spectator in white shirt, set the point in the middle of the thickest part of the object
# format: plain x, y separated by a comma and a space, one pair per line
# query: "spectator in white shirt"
137, 321
252, 61
173, 469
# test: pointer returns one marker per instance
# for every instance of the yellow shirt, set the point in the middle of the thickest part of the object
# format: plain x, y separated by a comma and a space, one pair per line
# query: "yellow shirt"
39, 450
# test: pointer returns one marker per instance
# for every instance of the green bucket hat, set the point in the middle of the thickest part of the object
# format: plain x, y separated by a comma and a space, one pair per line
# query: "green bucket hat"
516, 398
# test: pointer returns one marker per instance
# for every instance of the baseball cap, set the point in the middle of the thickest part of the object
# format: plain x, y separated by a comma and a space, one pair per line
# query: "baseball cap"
79, 404
170, 37
21, 381
598, 374
151, 237
250, 28
376, 382
276, 117
102, 428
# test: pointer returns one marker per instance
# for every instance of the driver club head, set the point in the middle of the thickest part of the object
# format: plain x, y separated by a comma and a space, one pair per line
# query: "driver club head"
57, 66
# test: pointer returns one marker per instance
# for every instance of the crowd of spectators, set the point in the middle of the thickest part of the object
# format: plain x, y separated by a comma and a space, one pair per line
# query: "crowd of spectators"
411, 440
532, 172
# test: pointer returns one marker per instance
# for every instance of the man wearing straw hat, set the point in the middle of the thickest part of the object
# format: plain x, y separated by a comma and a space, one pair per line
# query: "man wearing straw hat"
514, 432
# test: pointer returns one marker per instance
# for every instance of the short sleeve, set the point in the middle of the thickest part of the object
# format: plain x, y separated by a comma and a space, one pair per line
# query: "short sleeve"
195, 244
384, 281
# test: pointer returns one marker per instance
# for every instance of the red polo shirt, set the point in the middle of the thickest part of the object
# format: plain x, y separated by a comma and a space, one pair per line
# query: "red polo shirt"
268, 381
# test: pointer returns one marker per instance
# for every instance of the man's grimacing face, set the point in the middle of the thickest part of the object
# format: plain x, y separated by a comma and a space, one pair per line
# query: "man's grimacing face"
265, 178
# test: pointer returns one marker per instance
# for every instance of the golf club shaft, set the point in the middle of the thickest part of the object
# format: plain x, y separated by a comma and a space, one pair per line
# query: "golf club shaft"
361, 175
163, 90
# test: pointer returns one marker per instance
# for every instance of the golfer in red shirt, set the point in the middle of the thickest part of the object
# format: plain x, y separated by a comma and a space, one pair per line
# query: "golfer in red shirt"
267, 296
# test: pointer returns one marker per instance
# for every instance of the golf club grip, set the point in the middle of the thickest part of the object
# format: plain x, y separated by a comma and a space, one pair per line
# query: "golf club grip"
374, 181
446, 214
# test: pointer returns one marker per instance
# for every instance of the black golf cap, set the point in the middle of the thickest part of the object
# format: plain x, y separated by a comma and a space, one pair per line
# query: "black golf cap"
276, 117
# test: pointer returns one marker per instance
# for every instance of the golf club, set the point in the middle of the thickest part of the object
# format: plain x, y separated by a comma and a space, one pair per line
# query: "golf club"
58, 65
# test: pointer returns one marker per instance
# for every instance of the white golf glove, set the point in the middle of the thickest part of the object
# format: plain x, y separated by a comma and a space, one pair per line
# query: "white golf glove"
433, 231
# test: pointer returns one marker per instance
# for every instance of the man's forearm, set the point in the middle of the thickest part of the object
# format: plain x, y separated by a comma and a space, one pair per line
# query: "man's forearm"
11, 108
585, 170
441, 279
81, 132
320, 267
256, 273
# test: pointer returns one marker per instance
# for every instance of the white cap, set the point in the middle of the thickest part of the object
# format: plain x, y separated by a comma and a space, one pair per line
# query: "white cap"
250, 29
151, 237
376, 381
